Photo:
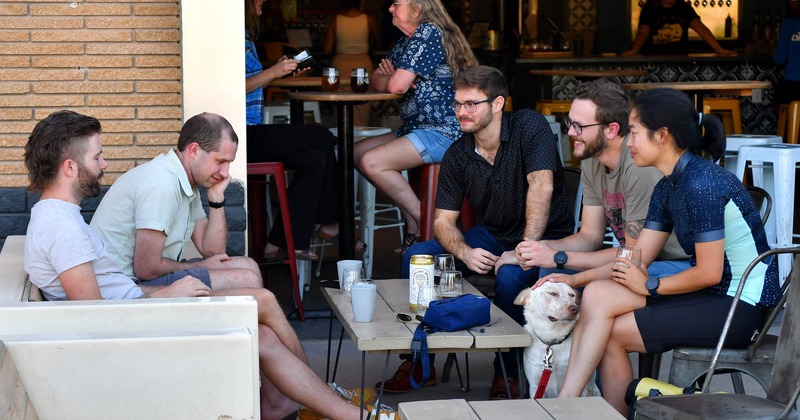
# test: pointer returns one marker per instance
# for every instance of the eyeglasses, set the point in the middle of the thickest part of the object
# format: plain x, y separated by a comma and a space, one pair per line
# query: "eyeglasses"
469, 106
397, 3
567, 123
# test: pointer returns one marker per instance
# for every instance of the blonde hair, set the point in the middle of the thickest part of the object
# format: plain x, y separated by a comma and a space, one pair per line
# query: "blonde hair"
456, 48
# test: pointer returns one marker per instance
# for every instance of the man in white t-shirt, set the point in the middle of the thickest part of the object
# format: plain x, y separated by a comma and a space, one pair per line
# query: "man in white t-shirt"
154, 209
67, 260
616, 192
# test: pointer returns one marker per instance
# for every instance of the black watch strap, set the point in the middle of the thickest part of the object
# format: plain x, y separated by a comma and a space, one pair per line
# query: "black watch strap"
216, 205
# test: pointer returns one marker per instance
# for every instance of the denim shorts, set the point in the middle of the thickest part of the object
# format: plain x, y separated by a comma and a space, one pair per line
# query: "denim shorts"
430, 144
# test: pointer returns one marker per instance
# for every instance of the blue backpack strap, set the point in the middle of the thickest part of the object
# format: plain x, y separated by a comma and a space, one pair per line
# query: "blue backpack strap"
419, 353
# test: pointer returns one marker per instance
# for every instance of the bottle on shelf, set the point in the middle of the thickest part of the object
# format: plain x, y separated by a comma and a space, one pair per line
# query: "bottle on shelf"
728, 26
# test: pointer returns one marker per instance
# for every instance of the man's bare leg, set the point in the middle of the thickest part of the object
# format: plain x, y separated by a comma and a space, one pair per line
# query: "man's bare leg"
293, 378
271, 315
275, 405
238, 272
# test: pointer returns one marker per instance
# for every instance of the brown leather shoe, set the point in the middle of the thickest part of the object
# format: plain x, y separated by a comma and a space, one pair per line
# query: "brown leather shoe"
498, 391
400, 383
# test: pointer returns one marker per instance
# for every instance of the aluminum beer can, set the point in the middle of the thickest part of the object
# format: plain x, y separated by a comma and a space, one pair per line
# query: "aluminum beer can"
420, 273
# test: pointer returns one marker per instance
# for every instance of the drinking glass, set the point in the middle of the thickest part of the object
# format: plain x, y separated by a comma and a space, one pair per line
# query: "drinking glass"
631, 253
442, 263
350, 276
452, 284
330, 79
425, 294
359, 80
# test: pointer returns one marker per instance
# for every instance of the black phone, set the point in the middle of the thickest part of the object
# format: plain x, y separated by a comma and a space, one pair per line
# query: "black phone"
305, 60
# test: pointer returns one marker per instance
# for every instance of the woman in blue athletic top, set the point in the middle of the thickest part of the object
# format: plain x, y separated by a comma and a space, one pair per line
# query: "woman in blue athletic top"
716, 223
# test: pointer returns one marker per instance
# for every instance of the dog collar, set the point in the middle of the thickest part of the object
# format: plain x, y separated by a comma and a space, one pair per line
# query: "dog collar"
554, 342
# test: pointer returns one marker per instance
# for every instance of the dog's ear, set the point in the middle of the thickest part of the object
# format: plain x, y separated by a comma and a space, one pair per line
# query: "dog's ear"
523, 296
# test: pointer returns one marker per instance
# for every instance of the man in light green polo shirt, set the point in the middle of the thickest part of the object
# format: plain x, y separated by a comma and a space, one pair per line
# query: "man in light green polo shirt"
153, 210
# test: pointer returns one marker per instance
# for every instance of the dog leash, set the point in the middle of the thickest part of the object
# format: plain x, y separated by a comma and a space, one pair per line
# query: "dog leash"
546, 371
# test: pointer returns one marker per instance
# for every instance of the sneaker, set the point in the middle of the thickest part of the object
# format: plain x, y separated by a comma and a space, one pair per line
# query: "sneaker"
350, 395
385, 413
354, 396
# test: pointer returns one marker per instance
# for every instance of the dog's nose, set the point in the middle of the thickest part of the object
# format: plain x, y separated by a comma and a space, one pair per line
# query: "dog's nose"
573, 309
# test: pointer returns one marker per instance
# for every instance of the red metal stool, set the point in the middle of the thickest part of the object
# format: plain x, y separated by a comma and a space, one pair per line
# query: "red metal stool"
256, 196
430, 179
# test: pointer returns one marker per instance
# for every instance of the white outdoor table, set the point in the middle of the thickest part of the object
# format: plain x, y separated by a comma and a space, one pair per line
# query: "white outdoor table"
386, 334
541, 409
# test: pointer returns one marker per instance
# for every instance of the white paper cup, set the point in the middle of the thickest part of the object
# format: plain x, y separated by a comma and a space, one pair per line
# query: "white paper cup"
342, 264
364, 296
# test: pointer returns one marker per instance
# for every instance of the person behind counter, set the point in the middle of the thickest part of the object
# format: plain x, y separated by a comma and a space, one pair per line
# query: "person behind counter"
664, 29
421, 67
788, 53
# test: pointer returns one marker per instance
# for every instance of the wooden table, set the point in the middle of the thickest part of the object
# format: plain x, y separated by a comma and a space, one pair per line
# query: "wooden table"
542, 409
293, 84
387, 335
697, 89
344, 103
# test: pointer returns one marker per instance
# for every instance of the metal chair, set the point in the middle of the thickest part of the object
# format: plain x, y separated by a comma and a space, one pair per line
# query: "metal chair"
782, 384
761, 196
689, 364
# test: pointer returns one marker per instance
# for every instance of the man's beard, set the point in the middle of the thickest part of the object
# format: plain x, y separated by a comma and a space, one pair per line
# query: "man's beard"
479, 124
595, 148
88, 184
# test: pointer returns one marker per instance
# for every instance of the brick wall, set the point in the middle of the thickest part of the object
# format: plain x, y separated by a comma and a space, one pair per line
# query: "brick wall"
118, 61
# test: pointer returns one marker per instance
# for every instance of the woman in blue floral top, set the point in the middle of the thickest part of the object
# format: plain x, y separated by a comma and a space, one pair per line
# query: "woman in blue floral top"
421, 68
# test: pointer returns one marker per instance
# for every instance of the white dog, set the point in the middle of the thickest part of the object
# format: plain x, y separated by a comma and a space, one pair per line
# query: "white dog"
551, 311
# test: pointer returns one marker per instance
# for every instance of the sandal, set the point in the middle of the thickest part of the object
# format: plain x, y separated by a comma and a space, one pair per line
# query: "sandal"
409, 240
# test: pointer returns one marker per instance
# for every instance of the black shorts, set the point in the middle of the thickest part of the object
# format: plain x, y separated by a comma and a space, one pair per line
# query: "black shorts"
695, 320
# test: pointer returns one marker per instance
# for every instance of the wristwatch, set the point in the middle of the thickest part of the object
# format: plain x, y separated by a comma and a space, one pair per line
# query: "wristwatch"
216, 205
560, 259
652, 284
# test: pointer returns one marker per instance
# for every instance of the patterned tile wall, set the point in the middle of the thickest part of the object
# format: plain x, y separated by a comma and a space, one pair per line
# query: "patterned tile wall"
757, 117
